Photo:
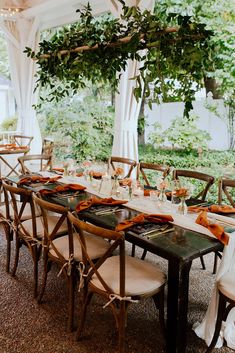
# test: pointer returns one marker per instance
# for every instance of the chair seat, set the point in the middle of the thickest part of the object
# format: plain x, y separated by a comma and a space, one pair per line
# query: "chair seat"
26, 214
52, 221
142, 278
96, 246
226, 285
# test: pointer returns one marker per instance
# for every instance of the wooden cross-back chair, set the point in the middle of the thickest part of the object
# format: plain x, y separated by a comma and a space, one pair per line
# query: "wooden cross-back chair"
226, 290
115, 162
44, 160
64, 250
47, 146
143, 167
119, 279
22, 140
225, 186
25, 223
208, 179
7, 220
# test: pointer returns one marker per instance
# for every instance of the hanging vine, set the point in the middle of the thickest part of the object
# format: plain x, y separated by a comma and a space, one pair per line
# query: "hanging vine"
97, 49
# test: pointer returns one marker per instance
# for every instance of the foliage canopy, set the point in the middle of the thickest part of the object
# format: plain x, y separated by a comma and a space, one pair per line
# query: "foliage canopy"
182, 52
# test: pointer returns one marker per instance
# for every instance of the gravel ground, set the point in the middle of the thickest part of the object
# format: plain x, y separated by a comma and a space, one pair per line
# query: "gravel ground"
28, 327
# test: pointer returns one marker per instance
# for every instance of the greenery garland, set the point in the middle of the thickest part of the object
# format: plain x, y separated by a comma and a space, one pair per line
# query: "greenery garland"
180, 55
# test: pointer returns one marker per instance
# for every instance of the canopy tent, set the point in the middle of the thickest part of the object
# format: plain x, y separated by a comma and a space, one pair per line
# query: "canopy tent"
22, 29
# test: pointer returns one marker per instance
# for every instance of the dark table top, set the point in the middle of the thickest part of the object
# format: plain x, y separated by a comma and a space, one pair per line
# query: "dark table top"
180, 244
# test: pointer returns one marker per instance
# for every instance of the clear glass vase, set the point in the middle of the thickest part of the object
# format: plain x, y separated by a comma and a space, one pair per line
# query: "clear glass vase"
162, 196
115, 186
182, 208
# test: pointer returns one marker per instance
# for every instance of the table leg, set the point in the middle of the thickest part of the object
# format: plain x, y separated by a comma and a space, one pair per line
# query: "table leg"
177, 306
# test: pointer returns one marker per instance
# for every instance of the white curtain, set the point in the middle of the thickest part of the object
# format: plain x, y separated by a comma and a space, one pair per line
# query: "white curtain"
127, 108
19, 34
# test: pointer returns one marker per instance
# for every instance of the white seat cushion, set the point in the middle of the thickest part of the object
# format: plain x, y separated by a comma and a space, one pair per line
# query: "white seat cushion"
26, 213
52, 220
142, 278
226, 284
96, 246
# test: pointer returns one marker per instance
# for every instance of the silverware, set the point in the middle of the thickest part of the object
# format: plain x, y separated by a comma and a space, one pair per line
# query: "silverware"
156, 229
159, 233
107, 211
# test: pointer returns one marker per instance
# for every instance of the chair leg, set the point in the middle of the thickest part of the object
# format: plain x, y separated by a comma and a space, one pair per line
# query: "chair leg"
35, 269
71, 290
159, 303
217, 254
44, 280
122, 327
9, 240
86, 301
133, 250
17, 251
144, 254
202, 262
221, 310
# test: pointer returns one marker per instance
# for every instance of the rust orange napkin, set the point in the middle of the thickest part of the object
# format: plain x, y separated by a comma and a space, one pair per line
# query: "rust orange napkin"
142, 218
96, 175
95, 201
213, 209
215, 228
57, 169
37, 179
125, 182
61, 188
17, 148
7, 145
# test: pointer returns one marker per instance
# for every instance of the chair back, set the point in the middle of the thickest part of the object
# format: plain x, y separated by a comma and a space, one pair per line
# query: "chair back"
47, 146
22, 140
116, 241
225, 186
208, 179
50, 233
143, 167
45, 162
12, 193
115, 162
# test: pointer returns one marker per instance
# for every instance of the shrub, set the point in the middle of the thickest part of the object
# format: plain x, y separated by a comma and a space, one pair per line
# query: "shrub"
9, 124
182, 133
81, 128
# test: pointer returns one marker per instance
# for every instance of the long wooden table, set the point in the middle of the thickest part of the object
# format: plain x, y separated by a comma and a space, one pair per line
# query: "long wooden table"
179, 247
4, 151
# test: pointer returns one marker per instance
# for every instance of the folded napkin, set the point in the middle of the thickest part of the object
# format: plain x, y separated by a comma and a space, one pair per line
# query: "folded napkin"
83, 205
62, 188
37, 179
17, 147
215, 228
57, 169
7, 145
125, 182
95, 175
213, 209
142, 218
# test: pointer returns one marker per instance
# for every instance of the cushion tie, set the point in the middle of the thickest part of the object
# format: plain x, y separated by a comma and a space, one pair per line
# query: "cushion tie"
67, 264
113, 296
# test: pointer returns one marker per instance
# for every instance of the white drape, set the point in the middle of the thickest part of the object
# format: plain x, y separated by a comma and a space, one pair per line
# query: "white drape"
205, 329
127, 109
19, 34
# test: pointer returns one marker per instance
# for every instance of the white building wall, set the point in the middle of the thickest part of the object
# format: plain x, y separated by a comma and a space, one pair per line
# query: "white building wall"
166, 112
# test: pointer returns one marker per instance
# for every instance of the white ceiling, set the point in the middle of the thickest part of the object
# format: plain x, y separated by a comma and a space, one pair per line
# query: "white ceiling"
51, 13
